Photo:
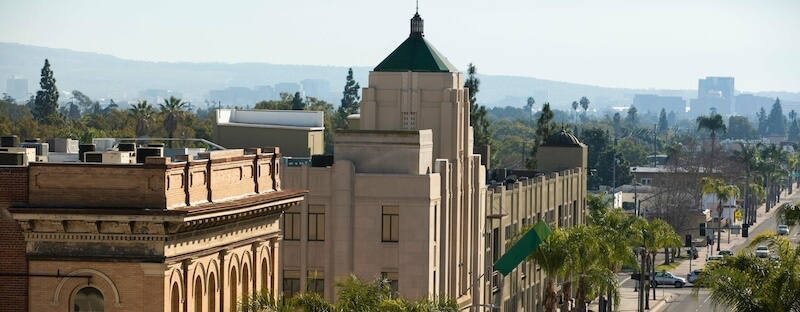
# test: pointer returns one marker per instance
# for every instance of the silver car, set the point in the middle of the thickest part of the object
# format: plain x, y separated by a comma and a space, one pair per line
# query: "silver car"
762, 251
783, 229
692, 276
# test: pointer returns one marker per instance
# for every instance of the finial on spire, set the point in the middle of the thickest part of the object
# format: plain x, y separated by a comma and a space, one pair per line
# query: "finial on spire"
417, 23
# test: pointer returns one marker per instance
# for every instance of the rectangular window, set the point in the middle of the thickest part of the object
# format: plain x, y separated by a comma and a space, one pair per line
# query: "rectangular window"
291, 224
291, 283
646, 181
390, 224
316, 282
316, 223
435, 224
392, 278
495, 244
409, 120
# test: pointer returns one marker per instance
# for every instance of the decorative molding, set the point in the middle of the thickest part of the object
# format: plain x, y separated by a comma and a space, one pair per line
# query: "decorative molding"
108, 280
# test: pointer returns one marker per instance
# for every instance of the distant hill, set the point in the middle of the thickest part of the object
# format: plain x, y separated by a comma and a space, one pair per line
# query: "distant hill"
105, 76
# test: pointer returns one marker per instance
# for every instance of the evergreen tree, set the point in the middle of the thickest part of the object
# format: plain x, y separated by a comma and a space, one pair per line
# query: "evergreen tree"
794, 131
632, 114
663, 124
297, 102
672, 118
605, 168
350, 100
545, 127
46, 103
477, 113
762, 122
776, 122
617, 122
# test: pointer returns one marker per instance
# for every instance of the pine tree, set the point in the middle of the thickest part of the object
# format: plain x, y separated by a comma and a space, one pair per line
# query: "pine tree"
794, 131
350, 100
477, 113
776, 122
297, 102
762, 122
632, 114
46, 103
545, 127
663, 124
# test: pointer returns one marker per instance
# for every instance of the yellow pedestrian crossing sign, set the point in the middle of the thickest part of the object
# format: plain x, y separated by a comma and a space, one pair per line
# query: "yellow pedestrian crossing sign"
737, 215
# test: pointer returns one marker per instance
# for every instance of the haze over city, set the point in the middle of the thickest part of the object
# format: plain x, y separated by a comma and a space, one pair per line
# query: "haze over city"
623, 44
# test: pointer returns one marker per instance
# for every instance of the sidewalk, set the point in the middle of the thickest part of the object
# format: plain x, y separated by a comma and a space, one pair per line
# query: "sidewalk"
629, 298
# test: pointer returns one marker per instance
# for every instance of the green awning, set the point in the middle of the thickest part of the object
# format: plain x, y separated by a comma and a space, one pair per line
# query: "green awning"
524, 247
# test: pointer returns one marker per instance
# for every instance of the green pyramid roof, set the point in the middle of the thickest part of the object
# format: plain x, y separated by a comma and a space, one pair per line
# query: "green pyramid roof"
415, 54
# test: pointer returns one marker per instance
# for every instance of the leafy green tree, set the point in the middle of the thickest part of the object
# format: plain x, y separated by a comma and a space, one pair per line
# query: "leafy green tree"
605, 168
740, 128
143, 113
297, 102
631, 118
46, 103
747, 283
545, 127
596, 141
632, 152
480, 123
776, 122
350, 99
285, 103
762, 122
663, 123
173, 111
83, 101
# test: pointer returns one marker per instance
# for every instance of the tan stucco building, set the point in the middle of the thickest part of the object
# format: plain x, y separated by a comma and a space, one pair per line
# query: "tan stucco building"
298, 133
191, 235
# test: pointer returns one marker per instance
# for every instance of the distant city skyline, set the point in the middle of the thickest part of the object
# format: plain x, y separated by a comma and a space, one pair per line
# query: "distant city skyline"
617, 43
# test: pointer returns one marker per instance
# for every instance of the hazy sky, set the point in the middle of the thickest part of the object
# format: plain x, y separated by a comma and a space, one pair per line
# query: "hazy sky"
614, 43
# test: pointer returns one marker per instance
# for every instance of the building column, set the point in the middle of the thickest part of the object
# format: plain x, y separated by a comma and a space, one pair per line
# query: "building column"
277, 274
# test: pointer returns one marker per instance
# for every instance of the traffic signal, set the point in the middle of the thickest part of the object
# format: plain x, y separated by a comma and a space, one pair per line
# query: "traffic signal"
702, 229
688, 240
745, 230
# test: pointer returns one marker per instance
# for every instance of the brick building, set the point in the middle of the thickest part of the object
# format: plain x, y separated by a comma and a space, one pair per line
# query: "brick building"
190, 235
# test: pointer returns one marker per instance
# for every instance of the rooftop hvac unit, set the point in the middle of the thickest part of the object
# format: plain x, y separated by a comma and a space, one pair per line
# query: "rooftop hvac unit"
126, 147
42, 149
83, 148
143, 152
322, 160
114, 157
9, 141
104, 144
93, 157
29, 153
62, 145
33, 140
12, 159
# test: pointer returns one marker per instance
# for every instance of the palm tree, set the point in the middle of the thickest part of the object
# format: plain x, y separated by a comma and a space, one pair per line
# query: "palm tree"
773, 157
748, 156
575, 109
590, 243
724, 192
173, 109
143, 113
713, 124
551, 256
618, 236
653, 236
748, 283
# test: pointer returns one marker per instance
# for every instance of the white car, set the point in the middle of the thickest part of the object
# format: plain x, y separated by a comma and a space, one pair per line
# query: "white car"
762, 251
667, 278
713, 258
783, 229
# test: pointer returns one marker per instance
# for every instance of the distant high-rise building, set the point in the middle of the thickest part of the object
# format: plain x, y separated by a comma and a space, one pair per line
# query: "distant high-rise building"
654, 103
289, 87
17, 87
714, 92
749, 104
317, 88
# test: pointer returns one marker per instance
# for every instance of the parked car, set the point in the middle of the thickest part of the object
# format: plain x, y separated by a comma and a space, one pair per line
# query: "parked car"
726, 253
783, 229
692, 276
762, 251
667, 278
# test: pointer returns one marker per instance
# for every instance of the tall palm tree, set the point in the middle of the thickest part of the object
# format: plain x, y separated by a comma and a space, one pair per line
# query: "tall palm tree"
173, 108
590, 243
618, 236
748, 156
723, 192
551, 256
143, 113
773, 158
713, 124
748, 283
653, 236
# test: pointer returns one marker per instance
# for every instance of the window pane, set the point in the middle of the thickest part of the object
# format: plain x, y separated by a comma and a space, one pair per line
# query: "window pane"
386, 227
296, 226
395, 228
321, 226
89, 299
312, 226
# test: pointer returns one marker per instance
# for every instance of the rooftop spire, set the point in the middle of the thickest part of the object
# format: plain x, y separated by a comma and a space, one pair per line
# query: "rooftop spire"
417, 23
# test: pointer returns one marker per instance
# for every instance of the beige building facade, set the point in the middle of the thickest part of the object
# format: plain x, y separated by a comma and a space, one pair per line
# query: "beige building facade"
190, 235
298, 133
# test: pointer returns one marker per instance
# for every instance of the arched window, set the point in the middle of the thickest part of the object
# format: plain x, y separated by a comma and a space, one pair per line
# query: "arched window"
198, 295
233, 297
212, 293
176, 298
88, 299
245, 282
264, 275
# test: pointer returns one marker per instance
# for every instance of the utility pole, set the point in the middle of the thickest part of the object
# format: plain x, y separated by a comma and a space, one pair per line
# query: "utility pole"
642, 291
